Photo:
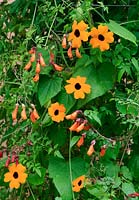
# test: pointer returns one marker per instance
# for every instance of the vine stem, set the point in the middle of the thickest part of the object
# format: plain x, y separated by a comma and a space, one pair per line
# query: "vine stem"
34, 14
31, 191
70, 169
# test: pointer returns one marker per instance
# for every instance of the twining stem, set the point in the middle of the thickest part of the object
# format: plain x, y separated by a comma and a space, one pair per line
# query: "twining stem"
31, 191
70, 169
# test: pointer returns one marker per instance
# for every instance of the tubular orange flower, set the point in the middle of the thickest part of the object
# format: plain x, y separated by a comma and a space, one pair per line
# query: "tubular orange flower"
57, 112
36, 78
38, 68
64, 41
57, 67
16, 175
74, 126
69, 52
102, 151
32, 117
23, 113
91, 148
78, 183
101, 38
73, 115
81, 140
78, 55
14, 113
32, 50
78, 87
78, 34
42, 62
81, 127
32, 59
34, 114
28, 66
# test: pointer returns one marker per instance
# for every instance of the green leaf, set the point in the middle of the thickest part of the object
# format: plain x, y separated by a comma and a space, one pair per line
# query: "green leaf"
101, 79
59, 171
112, 170
48, 88
128, 188
36, 179
67, 100
93, 115
126, 173
121, 31
74, 140
135, 63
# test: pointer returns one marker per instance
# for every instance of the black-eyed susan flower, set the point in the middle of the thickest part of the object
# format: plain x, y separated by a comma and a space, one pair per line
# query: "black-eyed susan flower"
78, 183
57, 112
78, 87
16, 175
78, 34
101, 37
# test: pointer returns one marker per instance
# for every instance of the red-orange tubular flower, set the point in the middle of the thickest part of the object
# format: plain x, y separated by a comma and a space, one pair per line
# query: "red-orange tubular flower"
57, 67
102, 151
38, 68
69, 52
14, 113
73, 115
28, 65
42, 62
91, 148
81, 140
23, 113
64, 41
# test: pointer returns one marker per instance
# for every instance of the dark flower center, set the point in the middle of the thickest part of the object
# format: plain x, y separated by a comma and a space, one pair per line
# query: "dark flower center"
77, 86
15, 175
79, 183
56, 112
77, 33
101, 37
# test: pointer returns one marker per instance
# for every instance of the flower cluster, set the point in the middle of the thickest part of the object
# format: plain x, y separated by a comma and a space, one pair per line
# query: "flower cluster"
39, 62
23, 115
100, 38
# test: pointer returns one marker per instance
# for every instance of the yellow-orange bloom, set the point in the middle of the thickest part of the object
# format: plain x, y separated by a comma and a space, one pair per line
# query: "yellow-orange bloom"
36, 78
57, 112
78, 34
16, 175
78, 183
101, 37
78, 87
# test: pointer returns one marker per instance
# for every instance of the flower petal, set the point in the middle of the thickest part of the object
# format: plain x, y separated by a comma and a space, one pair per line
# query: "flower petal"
22, 177
76, 43
102, 29
84, 36
86, 88
14, 184
79, 94
8, 177
70, 88
82, 26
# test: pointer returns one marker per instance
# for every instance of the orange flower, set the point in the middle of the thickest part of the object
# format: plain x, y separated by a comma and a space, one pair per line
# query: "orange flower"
34, 114
81, 140
78, 87
23, 113
91, 148
14, 113
102, 151
57, 112
78, 34
81, 126
73, 115
38, 68
16, 175
28, 66
57, 67
64, 41
32, 59
69, 52
52, 56
74, 126
78, 55
36, 78
101, 38
42, 62
78, 183
32, 50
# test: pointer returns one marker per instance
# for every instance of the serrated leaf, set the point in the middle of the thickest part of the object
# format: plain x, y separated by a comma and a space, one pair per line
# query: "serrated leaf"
48, 88
74, 140
121, 31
